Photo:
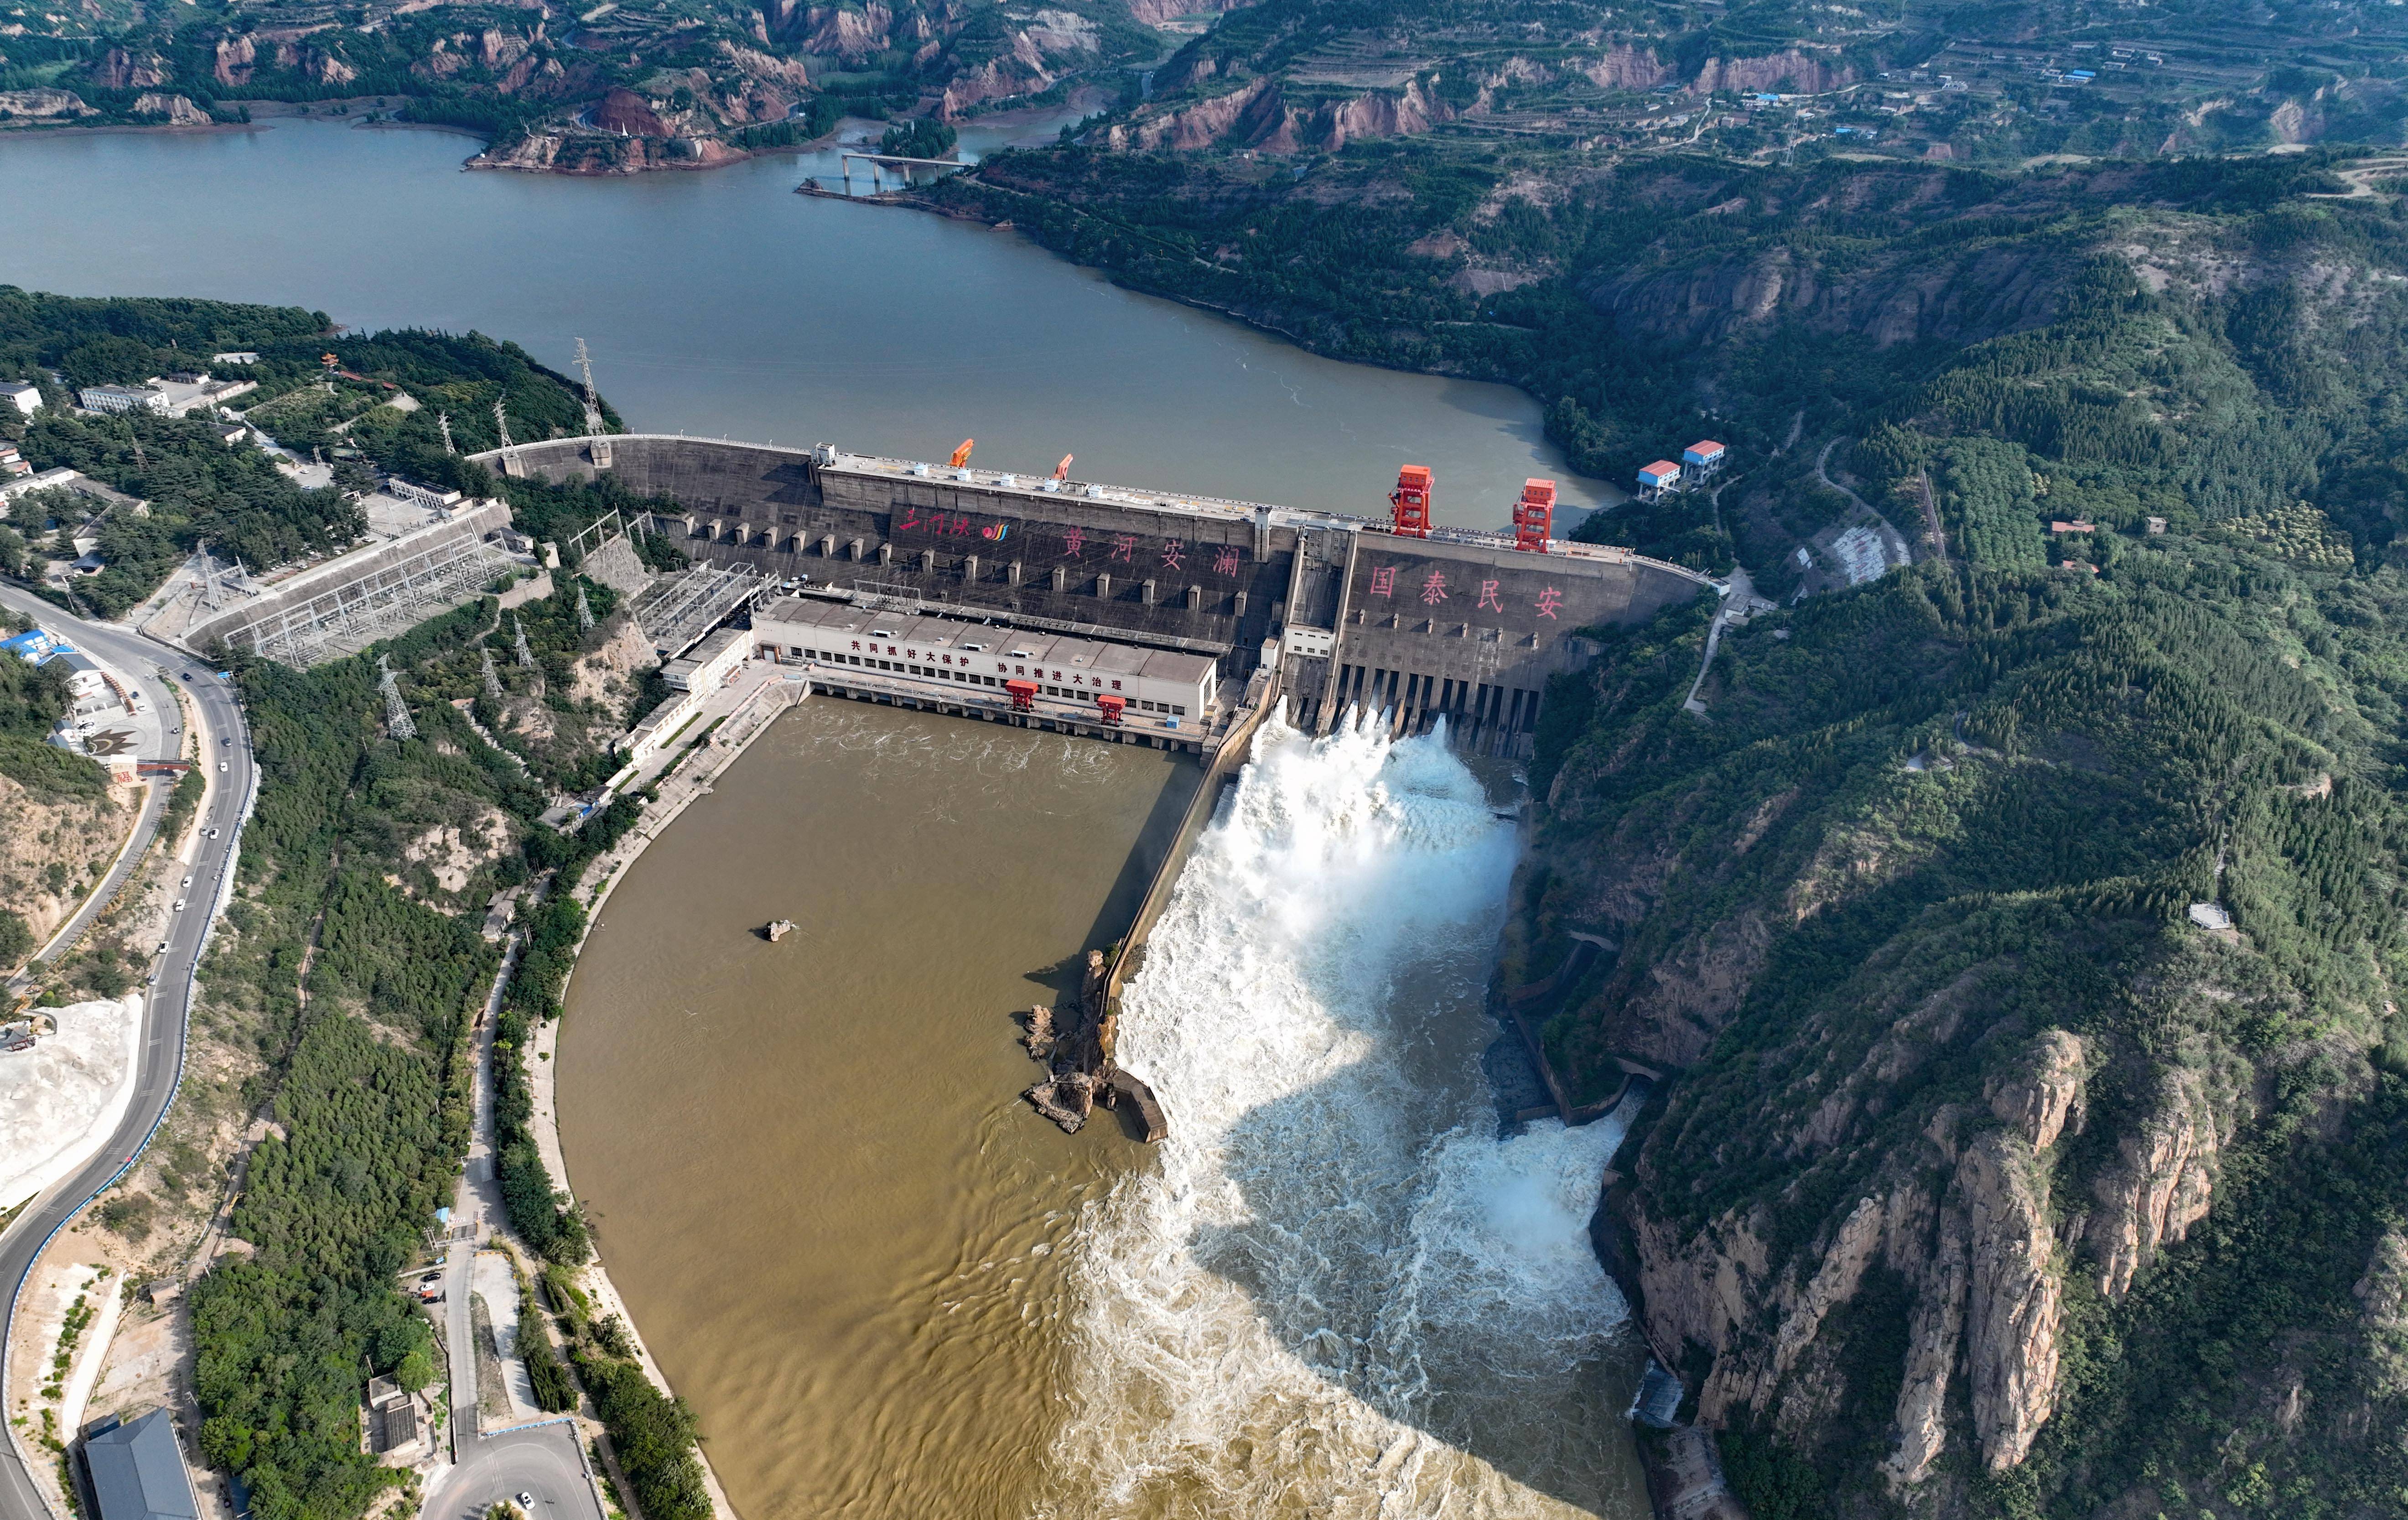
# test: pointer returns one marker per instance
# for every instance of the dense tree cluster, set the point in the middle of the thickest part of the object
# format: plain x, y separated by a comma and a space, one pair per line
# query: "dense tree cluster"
653, 1435
335, 1208
381, 413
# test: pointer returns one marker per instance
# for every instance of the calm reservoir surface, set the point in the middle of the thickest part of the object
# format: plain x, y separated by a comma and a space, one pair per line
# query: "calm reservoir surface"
719, 302
890, 1291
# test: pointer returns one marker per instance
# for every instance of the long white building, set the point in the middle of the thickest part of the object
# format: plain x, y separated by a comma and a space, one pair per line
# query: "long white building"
950, 655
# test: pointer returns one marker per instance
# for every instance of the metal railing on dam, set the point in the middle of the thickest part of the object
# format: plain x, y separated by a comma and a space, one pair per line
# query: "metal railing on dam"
1460, 625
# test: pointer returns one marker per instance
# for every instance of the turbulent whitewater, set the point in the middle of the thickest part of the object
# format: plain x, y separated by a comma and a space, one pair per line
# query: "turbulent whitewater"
1340, 1293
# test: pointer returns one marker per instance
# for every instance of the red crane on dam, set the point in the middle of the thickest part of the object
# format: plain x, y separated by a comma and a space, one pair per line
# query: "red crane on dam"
1410, 501
1534, 515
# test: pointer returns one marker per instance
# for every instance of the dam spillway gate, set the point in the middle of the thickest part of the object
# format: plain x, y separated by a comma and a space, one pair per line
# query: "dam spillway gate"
1461, 624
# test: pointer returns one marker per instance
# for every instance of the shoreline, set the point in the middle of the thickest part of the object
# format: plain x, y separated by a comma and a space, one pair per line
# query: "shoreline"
542, 1055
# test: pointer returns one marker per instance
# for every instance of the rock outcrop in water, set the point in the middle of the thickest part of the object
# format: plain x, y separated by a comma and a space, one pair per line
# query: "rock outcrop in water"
1080, 1054
1039, 1022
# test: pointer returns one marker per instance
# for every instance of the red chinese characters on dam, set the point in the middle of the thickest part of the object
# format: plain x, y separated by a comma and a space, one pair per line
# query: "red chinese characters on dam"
1226, 561
1508, 595
1434, 588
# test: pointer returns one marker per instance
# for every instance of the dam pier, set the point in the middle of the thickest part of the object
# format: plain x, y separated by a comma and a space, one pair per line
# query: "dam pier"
1395, 615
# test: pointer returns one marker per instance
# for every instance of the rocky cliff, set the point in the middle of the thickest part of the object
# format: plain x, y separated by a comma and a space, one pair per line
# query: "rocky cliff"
1945, 1201
1263, 115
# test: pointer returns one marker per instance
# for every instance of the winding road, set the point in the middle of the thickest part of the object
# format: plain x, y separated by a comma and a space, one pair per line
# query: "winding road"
223, 739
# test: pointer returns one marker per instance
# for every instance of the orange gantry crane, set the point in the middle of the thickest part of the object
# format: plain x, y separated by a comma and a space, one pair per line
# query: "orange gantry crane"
1410, 501
1534, 516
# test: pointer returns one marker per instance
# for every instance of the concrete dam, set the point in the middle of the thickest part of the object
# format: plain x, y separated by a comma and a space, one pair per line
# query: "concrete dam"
1458, 624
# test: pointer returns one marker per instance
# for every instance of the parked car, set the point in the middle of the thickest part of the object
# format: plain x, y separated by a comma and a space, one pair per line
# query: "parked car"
163, 947
188, 880
180, 905
222, 764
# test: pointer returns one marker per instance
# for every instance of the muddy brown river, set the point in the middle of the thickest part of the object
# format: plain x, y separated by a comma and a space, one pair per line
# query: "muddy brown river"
890, 1291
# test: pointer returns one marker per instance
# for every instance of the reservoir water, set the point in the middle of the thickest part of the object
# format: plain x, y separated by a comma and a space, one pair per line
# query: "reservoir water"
719, 302
890, 1291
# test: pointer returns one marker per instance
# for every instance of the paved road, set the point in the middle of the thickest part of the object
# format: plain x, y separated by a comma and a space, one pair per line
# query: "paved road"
542, 1461
169, 1003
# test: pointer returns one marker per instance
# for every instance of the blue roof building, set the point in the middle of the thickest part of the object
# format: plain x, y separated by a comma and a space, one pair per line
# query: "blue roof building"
33, 647
136, 1470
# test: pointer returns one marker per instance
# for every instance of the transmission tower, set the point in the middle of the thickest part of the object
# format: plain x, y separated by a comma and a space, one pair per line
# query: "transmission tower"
502, 424
585, 612
396, 717
593, 408
526, 655
209, 592
493, 677
443, 420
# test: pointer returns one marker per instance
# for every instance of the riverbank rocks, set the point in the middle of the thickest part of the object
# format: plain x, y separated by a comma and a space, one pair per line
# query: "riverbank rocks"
1068, 1099
1039, 1022
1078, 1051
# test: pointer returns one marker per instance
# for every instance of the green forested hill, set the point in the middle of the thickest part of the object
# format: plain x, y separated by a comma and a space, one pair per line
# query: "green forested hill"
2025, 928
1946, 821
365, 1039
236, 498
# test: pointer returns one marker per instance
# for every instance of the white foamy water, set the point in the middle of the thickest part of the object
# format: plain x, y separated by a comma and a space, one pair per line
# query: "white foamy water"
1340, 1293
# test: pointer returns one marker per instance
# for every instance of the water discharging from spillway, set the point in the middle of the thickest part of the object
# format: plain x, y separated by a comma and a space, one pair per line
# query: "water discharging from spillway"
891, 1292
1340, 1293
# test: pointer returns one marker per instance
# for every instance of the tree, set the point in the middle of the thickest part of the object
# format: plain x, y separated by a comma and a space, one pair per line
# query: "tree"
110, 361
